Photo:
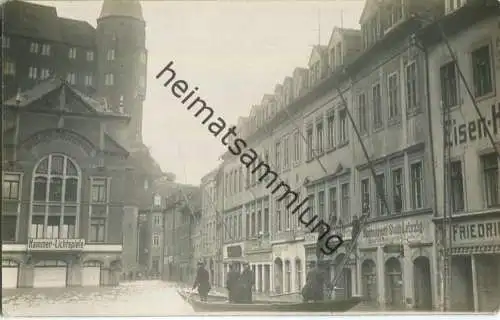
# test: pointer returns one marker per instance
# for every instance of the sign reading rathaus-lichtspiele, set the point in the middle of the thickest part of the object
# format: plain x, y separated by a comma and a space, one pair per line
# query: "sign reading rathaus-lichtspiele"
56, 244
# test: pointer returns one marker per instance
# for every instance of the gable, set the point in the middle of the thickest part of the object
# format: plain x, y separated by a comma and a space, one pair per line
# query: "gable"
57, 94
370, 6
316, 55
333, 37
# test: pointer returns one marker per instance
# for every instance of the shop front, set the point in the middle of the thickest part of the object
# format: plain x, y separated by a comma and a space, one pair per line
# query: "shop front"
475, 264
233, 254
288, 267
58, 263
394, 263
258, 253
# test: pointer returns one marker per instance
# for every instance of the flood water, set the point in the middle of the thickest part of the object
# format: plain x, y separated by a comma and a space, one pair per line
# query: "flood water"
140, 298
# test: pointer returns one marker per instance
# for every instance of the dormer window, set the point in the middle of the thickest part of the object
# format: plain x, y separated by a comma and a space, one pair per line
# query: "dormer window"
111, 54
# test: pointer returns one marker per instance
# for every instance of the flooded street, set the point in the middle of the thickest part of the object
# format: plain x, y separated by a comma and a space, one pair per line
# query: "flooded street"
142, 298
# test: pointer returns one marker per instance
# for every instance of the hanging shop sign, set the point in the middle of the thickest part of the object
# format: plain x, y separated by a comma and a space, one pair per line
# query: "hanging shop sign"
234, 252
476, 232
396, 232
56, 244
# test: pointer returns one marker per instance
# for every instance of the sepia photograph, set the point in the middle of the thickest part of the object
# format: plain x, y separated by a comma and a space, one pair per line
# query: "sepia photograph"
272, 157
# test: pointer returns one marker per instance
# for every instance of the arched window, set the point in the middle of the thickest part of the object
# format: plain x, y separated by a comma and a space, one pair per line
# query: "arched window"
55, 194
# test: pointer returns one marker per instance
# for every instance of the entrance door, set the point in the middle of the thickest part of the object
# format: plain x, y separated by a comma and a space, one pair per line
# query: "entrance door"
369, 272
50, 274
422, 283
10, 271
91, 274
394, 283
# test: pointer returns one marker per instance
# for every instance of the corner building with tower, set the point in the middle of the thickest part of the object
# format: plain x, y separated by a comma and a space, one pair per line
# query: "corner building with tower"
76, 171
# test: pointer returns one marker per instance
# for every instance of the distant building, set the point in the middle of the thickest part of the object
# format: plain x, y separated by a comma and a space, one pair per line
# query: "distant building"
182, 208
204, 235
75, 167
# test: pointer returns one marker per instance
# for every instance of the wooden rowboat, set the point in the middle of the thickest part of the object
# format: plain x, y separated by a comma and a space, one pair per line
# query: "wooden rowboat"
217, 303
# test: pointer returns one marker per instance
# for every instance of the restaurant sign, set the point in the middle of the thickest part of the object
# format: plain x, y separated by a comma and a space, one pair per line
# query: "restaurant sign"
477, 232
56, 244
396, 232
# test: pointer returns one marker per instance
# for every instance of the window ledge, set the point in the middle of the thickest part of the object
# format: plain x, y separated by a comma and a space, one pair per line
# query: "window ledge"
485, 96
378, 129
394, 121
413, 111
330, 150
343, 144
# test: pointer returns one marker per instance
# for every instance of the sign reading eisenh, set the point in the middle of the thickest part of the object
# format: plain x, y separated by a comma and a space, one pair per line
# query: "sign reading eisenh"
56, 244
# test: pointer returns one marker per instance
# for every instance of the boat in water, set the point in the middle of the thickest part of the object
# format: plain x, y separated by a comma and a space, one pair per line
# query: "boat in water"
216, 303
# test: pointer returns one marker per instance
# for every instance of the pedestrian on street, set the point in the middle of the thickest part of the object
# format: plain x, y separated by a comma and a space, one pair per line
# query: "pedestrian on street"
315, 280
202, 281
247, 281
233, 277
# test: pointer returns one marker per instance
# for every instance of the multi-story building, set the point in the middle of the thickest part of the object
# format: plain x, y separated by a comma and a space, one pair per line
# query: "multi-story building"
466, 151
205, 243
395, 258
73, 99
181, 209
305, 133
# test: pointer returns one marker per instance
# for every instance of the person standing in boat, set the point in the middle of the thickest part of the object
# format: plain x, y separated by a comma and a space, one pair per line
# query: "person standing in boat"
315, 281
202, 281
233, 277
247, 281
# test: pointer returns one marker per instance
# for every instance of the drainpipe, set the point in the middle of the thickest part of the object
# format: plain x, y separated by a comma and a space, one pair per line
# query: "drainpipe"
431, 142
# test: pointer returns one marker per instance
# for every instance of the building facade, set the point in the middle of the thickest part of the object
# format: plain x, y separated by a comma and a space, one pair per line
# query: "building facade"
90, 76
467, 160
63, 190
305, 134
205, 239
181, 210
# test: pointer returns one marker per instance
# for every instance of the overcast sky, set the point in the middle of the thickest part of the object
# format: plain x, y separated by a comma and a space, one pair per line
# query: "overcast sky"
235, 52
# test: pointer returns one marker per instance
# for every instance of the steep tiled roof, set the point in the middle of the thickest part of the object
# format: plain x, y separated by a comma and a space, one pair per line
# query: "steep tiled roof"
32, 20
76, 32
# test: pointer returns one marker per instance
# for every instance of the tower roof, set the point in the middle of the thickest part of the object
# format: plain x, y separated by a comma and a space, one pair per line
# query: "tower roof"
121, 8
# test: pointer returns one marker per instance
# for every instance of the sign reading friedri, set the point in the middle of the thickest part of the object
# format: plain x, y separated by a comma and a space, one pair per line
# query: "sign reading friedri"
56, 244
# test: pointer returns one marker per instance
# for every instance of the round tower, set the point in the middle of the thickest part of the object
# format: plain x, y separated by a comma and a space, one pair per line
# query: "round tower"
122, 60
